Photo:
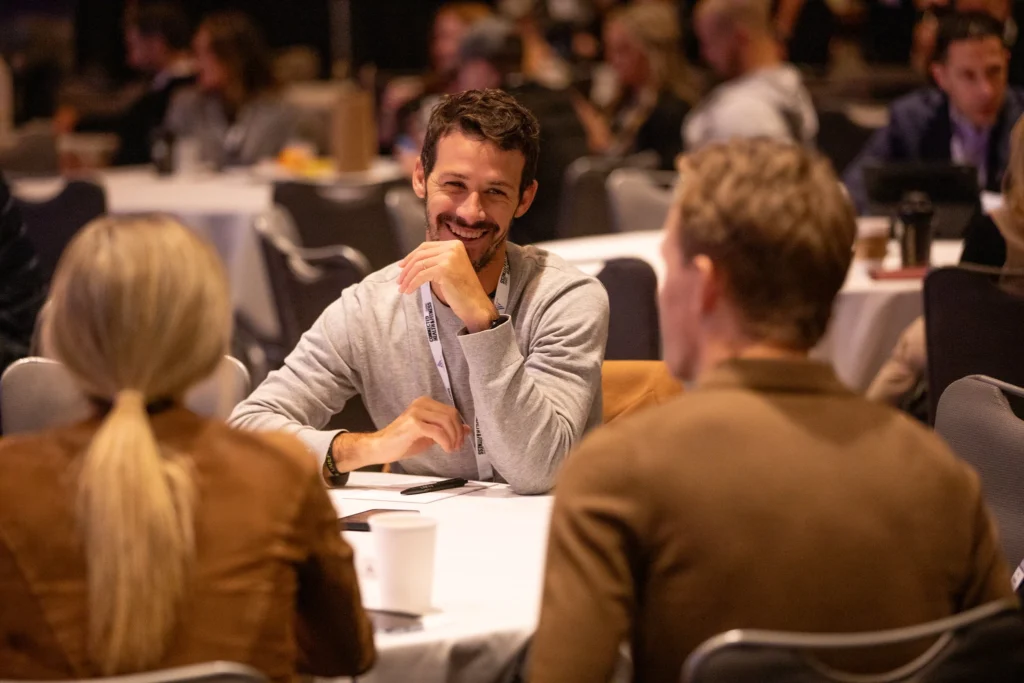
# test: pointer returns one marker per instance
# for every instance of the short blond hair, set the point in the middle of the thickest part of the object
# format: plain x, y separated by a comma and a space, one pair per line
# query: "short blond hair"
772, 217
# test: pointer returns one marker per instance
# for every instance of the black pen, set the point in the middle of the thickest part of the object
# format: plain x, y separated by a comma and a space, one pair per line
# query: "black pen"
435, 486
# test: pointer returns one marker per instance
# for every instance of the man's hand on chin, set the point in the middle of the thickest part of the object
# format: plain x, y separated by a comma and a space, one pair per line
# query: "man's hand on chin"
447, 267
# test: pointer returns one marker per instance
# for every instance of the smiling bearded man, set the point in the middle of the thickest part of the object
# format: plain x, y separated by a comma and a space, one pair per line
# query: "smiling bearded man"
475, 357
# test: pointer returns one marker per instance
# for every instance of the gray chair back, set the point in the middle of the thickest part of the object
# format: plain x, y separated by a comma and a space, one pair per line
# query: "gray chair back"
584, 208
976, 418
51, 224
983, 644
633, 329
408, 217
304, 281
973, 326
353, 215
208, 672
639, 199
39, 393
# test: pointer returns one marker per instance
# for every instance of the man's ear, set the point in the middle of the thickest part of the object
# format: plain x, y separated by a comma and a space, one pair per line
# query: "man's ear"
527, 200
419, 180
711, 285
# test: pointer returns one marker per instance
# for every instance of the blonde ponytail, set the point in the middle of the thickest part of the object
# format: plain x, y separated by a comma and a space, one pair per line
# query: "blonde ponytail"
140, 312
136, 508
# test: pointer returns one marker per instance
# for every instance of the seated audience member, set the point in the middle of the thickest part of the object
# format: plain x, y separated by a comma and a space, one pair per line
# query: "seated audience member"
130, 541
235, 112
995, 240
22, 285
769, 496
475, 357
966, 119
404, 96
642, 45
157, 37
492, 55
760, 96
1007, 12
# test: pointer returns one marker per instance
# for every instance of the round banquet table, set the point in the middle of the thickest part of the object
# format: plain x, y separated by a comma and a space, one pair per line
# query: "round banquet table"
219, 206
489, 569
867, 320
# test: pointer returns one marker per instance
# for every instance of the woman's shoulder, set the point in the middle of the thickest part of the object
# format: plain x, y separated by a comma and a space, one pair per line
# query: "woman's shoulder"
265, 448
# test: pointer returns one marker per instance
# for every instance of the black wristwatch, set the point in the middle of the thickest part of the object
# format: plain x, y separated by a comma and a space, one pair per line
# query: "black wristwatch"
332, 476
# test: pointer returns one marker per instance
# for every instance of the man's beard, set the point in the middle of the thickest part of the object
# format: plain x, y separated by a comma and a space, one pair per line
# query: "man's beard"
434, 235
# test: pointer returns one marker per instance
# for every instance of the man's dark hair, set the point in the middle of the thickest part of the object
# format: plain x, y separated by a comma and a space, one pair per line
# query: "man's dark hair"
958, 26
496, 42
490, 115
165, 20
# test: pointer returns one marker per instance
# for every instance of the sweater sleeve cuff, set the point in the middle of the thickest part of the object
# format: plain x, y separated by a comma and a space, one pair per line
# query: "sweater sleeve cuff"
318, 442
494, 349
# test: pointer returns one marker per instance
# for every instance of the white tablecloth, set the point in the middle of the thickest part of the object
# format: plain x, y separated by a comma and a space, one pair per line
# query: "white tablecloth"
491, 545
220, 206
869, 314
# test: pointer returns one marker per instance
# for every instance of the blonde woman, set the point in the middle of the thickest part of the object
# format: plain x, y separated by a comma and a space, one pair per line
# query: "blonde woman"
655, 87
149, 537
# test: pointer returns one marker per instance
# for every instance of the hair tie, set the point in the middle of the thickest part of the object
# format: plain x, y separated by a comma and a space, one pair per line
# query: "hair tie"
132, 398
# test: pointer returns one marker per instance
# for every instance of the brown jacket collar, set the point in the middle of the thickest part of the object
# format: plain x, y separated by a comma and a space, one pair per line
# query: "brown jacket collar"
773, 376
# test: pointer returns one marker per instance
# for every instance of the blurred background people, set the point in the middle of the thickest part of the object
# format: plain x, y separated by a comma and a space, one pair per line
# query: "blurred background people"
1007, 12
655, 86
965, 118
491, 56
157, 38
138, 544
993, 239
401, 100
236, 112
760, 94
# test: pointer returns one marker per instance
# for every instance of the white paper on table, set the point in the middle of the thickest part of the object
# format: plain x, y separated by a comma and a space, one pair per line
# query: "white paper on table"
393, 493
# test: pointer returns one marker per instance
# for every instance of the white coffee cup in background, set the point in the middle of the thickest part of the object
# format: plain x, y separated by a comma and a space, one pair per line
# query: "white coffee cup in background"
188, 156
404, 564
873, 234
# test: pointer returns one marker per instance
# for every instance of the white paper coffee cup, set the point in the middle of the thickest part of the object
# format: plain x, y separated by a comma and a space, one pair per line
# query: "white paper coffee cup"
405, 544
872, 237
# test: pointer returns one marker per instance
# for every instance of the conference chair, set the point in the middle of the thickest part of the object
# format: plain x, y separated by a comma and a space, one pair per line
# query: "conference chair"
983, 644
584, 208
980, 419
209, 672
304, 282
973, 326
633, 330
39, 393
639, 199
628, 386
51, 224
408, 217
353, 215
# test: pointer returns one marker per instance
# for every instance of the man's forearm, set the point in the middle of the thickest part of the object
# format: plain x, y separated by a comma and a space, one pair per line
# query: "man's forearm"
351, 451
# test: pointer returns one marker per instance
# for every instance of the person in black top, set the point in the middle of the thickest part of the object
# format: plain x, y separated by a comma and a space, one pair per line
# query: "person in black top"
642, 45
22, 286
157, 38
